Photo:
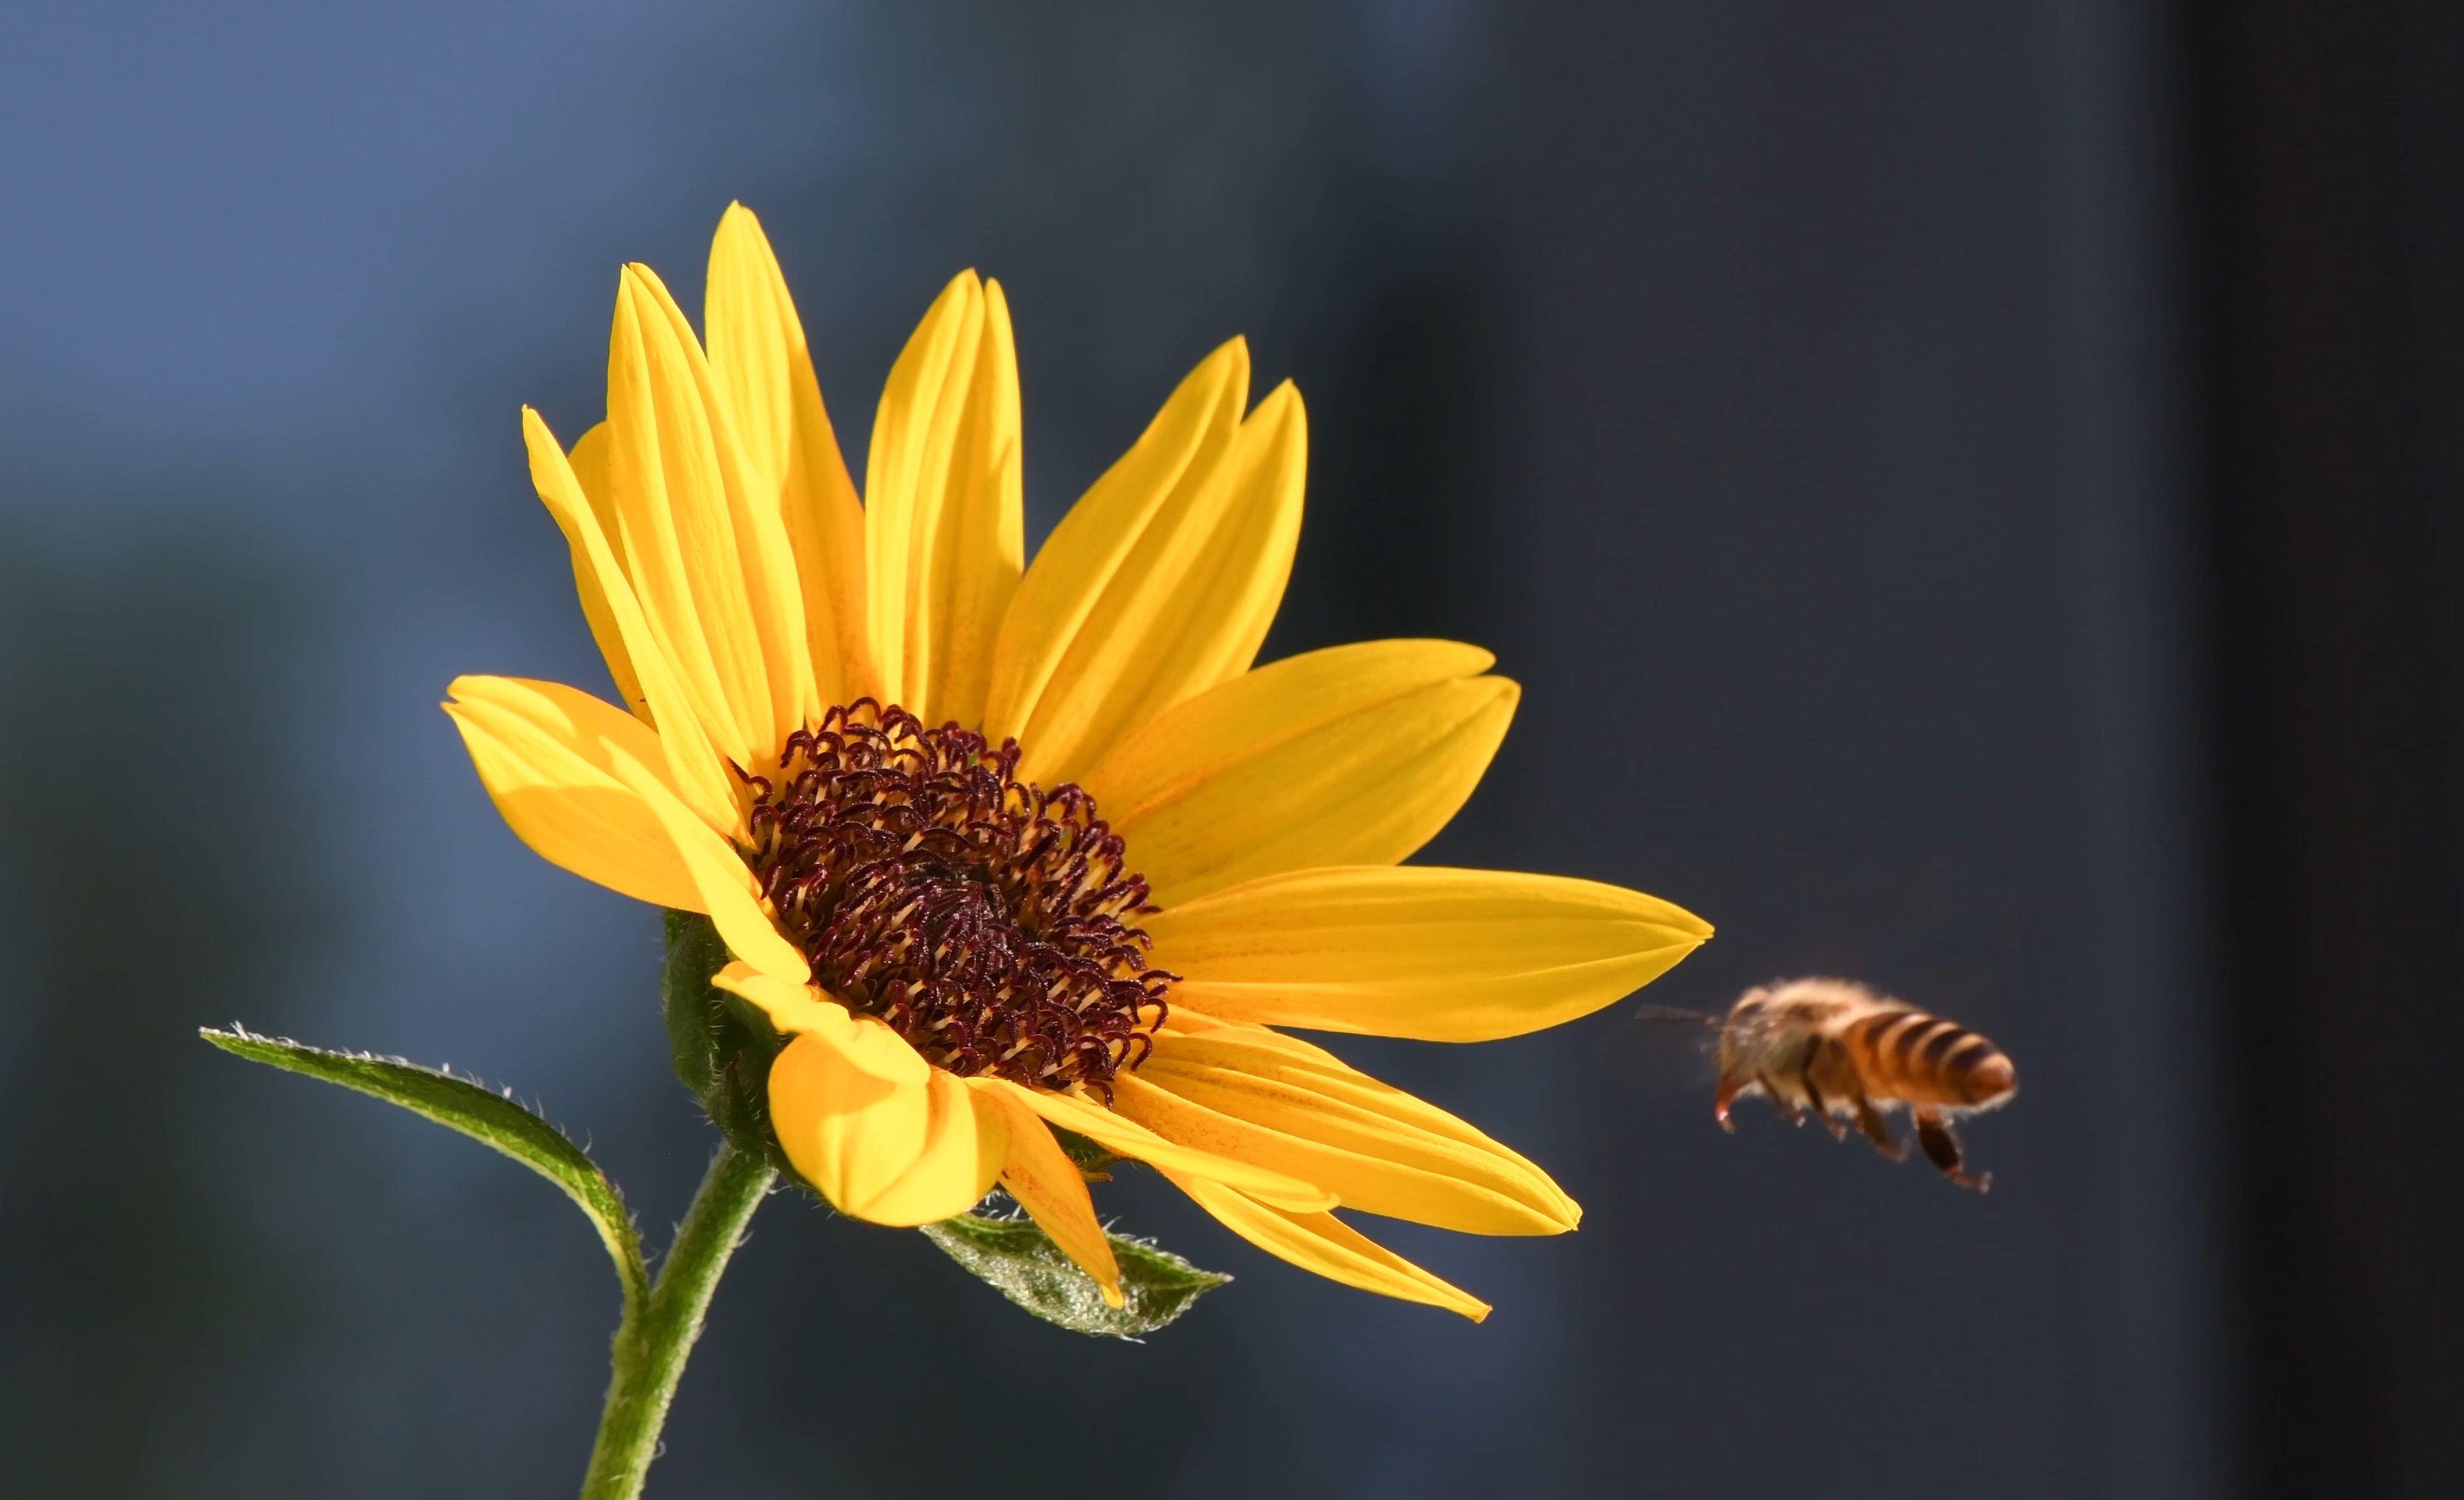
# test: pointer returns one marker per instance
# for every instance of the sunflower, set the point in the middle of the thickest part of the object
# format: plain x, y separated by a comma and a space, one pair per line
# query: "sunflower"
1004, 849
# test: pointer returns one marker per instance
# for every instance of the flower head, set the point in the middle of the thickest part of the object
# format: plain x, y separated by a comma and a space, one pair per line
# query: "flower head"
1005, 849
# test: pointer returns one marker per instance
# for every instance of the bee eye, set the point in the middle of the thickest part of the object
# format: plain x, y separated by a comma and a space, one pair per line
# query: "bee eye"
1750, 1008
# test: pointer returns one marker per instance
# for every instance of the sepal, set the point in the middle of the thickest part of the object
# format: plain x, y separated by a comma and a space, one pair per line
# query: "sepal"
1093, 1163
1021, 1263
721, 1044
696, 1026
492, 1120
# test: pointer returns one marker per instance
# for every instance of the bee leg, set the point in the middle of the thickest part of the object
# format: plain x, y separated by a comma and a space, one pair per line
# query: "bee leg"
1721, 1100
1869, 1119
1781, 1102
1825, 1110
1942, 1149
1821, 1107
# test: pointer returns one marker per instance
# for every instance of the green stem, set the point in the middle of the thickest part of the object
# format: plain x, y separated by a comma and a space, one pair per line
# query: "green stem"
658, 1333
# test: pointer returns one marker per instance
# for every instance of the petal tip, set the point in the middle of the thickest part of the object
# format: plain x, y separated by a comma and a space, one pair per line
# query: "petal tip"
638, 281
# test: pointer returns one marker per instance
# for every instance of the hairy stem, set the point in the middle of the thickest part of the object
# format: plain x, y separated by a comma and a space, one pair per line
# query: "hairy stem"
658, 1332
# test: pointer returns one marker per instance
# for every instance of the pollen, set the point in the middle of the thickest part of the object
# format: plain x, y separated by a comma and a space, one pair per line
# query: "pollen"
991, 922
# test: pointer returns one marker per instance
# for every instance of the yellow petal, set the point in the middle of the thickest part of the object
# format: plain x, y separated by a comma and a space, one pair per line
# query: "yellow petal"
882, 1134
1078, 564
1326, 1245
770, 584
589, 461
588, 458
729, 892
791, 1006
1241, 1093
1356, 755
763, 369
713, 567
540, 750
1188, 602
1129, 1138
694, 769
1439, 954
1041, 1175
979, 547
943, 527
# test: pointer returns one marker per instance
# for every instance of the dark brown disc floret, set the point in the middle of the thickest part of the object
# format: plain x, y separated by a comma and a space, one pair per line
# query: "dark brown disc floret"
991, 922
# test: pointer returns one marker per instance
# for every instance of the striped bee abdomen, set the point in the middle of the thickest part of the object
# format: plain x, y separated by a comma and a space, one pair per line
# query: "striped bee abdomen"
1927, 1061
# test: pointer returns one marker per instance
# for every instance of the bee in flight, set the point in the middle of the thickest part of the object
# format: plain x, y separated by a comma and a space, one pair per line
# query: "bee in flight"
1837, 1052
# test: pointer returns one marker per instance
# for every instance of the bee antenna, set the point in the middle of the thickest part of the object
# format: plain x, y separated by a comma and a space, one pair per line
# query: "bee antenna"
1648, 1012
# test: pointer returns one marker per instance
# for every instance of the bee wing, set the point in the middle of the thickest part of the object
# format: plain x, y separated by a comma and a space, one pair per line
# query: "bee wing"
1677, 1014
1661, 1050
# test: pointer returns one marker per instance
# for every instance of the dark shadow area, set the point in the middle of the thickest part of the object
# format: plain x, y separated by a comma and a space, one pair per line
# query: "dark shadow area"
2328, 154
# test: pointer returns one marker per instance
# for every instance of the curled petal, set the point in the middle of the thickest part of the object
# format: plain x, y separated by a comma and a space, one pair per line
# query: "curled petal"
880, 1133
793, 1006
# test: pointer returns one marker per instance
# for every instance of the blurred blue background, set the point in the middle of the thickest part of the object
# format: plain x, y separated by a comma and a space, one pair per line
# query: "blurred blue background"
1793, 397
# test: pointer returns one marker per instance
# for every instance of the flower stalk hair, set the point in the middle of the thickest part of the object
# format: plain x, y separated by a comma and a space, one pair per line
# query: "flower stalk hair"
985, 878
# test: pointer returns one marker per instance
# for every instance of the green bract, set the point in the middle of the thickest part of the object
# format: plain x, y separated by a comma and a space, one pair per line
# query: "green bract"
722, 1047
1023, 1265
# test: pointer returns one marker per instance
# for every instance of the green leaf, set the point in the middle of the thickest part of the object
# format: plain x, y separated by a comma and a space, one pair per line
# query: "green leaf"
1023, 1265
491, 1118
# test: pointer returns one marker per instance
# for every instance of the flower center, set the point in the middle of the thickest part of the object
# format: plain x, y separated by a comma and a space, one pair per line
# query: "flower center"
989, 921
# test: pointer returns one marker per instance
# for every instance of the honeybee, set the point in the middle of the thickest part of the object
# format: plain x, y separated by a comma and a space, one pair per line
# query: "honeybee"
1837, 1051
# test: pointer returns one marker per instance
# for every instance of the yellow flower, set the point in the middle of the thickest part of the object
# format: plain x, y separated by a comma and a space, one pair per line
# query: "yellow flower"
1002, 849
